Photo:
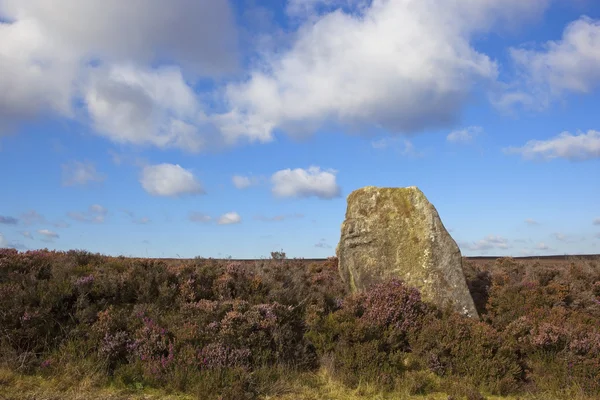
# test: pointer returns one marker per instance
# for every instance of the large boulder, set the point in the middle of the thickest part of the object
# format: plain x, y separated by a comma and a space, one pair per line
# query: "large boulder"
397, 232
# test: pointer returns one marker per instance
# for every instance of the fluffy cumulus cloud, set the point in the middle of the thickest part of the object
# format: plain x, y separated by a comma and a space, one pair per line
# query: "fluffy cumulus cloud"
229, 218
571, 64
53, 58
574, 147
135, 74
465, 135
169, 180
80, 173
145, 107
305, 183
362, 67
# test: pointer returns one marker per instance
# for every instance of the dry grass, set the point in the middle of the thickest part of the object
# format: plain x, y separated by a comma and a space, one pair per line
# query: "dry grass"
307, 386
19, 387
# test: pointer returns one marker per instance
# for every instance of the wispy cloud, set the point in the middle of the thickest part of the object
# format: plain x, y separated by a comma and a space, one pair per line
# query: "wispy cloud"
95, 214
542, 246
4, 243
244, 182
278, 218
578, 147
199, 217
80, 173
402, 146
8, 220
136, 220
229, 218
488, 243
464, 136
33, 217
322, 244
531, 221
562, 237
48, 235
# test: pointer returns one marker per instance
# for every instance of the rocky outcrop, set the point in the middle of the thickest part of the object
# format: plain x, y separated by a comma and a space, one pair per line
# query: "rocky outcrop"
397, 232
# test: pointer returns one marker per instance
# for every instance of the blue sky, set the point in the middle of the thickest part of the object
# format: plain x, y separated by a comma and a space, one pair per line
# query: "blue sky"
216, 129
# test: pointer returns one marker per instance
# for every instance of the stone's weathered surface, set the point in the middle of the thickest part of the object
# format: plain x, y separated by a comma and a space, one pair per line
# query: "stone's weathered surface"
397, 232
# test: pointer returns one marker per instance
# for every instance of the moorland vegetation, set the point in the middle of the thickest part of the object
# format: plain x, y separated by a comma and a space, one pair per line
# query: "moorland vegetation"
222, 329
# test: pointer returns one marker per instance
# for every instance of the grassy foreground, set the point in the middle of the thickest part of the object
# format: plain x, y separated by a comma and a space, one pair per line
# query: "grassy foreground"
319, 385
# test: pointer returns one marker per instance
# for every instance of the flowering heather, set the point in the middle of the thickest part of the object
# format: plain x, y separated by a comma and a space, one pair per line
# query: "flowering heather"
393, 303
217, 355
84, 280
208, 326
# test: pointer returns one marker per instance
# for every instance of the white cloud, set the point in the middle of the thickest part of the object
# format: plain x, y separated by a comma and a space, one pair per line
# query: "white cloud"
3, 242
571, 64
362, 68
542, 246
145, 107
197, 33
488, 243
531, 221
95, 213
578, 147
229, 218
80, 173
46, 52
169, 180
465, 135
305, 183
244, 182
199, 217
48, 235
26, 234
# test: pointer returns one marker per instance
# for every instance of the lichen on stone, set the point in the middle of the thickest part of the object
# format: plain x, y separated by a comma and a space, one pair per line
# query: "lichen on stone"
396, 232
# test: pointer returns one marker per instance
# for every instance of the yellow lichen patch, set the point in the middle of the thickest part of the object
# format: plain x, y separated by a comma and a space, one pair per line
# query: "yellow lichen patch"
397, 232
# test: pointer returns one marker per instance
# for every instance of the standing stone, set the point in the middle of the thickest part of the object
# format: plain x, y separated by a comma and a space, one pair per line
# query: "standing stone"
397, 232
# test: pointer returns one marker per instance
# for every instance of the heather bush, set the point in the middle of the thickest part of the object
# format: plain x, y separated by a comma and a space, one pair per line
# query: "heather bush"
231, 329
367, 337
453, 345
